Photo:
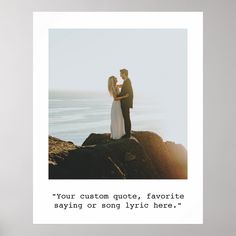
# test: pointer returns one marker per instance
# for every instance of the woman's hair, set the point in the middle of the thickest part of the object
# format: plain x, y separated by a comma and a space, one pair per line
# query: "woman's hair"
111, 85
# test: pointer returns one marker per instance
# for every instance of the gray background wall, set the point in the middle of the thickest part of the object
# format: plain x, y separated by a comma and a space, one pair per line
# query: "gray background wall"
17, 104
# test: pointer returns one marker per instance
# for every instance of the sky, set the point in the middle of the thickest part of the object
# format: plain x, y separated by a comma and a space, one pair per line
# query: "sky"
83, 59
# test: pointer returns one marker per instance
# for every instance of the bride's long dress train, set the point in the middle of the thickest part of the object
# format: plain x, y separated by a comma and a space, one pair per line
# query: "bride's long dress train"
117, 121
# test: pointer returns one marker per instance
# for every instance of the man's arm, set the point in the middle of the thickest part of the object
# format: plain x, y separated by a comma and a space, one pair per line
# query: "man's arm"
121, 97
124, 90
129, 88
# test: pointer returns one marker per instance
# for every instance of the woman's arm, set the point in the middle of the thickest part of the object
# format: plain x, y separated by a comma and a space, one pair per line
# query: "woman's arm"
119, 85
122, 97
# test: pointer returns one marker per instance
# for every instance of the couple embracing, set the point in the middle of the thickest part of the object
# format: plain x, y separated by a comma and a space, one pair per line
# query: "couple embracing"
120, 110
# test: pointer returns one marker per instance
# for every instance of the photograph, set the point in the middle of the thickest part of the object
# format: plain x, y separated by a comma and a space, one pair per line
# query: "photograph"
117, 103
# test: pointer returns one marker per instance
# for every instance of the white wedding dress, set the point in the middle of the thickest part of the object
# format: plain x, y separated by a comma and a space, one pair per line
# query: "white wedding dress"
117, 120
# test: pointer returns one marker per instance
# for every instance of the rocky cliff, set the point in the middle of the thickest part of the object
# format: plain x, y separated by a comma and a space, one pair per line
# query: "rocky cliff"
144, 156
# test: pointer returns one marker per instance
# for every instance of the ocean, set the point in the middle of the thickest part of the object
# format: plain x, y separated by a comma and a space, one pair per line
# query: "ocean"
73, 115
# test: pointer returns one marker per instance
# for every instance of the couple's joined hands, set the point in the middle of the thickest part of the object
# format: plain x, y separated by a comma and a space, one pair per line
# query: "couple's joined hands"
122, 97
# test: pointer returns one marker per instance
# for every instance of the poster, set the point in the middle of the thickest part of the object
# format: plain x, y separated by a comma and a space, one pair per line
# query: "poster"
82, 175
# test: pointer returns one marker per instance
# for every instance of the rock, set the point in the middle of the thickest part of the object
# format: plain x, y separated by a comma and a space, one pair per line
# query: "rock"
170, 159
129, 156
144, 156
59, 149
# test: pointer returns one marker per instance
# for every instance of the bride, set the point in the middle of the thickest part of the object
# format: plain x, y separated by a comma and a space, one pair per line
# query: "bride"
117, 120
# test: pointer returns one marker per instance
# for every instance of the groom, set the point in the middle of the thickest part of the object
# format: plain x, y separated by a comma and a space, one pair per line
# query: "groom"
126, 103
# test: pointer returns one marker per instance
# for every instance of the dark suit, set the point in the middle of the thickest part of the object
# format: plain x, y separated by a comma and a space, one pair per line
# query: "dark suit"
126, 104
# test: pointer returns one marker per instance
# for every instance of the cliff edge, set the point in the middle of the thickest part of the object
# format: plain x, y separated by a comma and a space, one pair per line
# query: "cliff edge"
144, 156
